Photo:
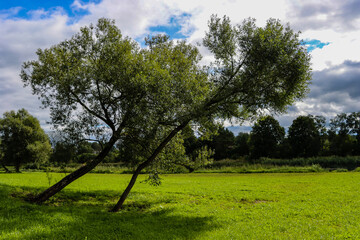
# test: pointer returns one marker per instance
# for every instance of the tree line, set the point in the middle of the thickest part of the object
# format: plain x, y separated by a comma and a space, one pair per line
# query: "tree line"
308, 136
24, 142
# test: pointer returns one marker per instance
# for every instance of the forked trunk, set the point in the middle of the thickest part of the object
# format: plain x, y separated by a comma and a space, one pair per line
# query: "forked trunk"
145, 164
51, 191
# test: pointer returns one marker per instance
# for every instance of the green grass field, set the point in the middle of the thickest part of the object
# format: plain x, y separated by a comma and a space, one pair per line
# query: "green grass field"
186, 206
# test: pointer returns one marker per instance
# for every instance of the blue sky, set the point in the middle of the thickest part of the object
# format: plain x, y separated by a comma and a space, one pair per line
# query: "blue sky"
331, 32
25, 9
313, 44
173, 28
26, 6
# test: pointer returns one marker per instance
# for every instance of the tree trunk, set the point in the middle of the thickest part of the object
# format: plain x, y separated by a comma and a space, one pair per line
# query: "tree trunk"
51, 191
145, 164
17, 167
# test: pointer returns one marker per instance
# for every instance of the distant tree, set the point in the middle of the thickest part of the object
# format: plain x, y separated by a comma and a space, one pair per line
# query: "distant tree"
241, 144
63, 153
305, 136
191, 142
340, 124
320, 123
22, 139
341, 143
353, 121
265, 137
100, 84
223, 144
285, 150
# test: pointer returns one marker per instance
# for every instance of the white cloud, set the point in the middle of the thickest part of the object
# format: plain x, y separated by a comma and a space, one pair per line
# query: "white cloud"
343, 46
133, 17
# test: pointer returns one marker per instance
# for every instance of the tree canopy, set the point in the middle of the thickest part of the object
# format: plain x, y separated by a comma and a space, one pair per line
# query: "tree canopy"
100, 83
305, 137
22, 139
265, 137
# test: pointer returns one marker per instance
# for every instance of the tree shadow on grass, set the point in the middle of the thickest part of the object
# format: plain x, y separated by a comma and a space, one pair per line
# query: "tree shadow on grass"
22, 220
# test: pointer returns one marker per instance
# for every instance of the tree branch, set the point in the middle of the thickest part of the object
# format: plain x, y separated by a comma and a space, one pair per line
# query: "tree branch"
91, 111
112, 126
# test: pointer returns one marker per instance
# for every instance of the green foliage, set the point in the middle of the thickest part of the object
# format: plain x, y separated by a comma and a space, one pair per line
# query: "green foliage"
241, 145
341, 126
304, 137
78, 152
223, 143
258, 68
89, 81
63, 153
22, 139
203, 158
265, 138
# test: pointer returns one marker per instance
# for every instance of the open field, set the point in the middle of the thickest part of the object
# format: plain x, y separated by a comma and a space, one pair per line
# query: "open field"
186, 206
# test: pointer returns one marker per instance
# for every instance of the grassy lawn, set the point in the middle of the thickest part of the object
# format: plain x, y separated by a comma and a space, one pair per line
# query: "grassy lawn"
186, 206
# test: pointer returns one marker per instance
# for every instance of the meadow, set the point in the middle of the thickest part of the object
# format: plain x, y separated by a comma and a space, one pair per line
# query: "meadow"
322, 205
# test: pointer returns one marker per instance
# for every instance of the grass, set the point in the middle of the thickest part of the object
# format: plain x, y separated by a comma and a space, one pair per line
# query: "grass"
260, 168
224, 166
186, 206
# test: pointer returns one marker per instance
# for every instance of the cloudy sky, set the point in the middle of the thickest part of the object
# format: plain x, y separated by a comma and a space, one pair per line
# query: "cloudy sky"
331, 30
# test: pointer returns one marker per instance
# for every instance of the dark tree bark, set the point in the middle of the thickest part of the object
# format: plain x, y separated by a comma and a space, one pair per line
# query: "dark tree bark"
17, 167
145, 164
51, 191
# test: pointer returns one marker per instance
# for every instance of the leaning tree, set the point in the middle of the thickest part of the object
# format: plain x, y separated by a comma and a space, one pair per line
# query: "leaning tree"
99, 82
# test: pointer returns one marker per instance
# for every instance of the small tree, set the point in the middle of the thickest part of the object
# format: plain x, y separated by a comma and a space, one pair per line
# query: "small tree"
265, 138
23, 140
197, 153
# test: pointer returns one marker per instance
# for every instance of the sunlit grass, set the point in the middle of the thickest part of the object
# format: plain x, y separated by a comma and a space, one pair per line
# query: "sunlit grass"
185, 206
